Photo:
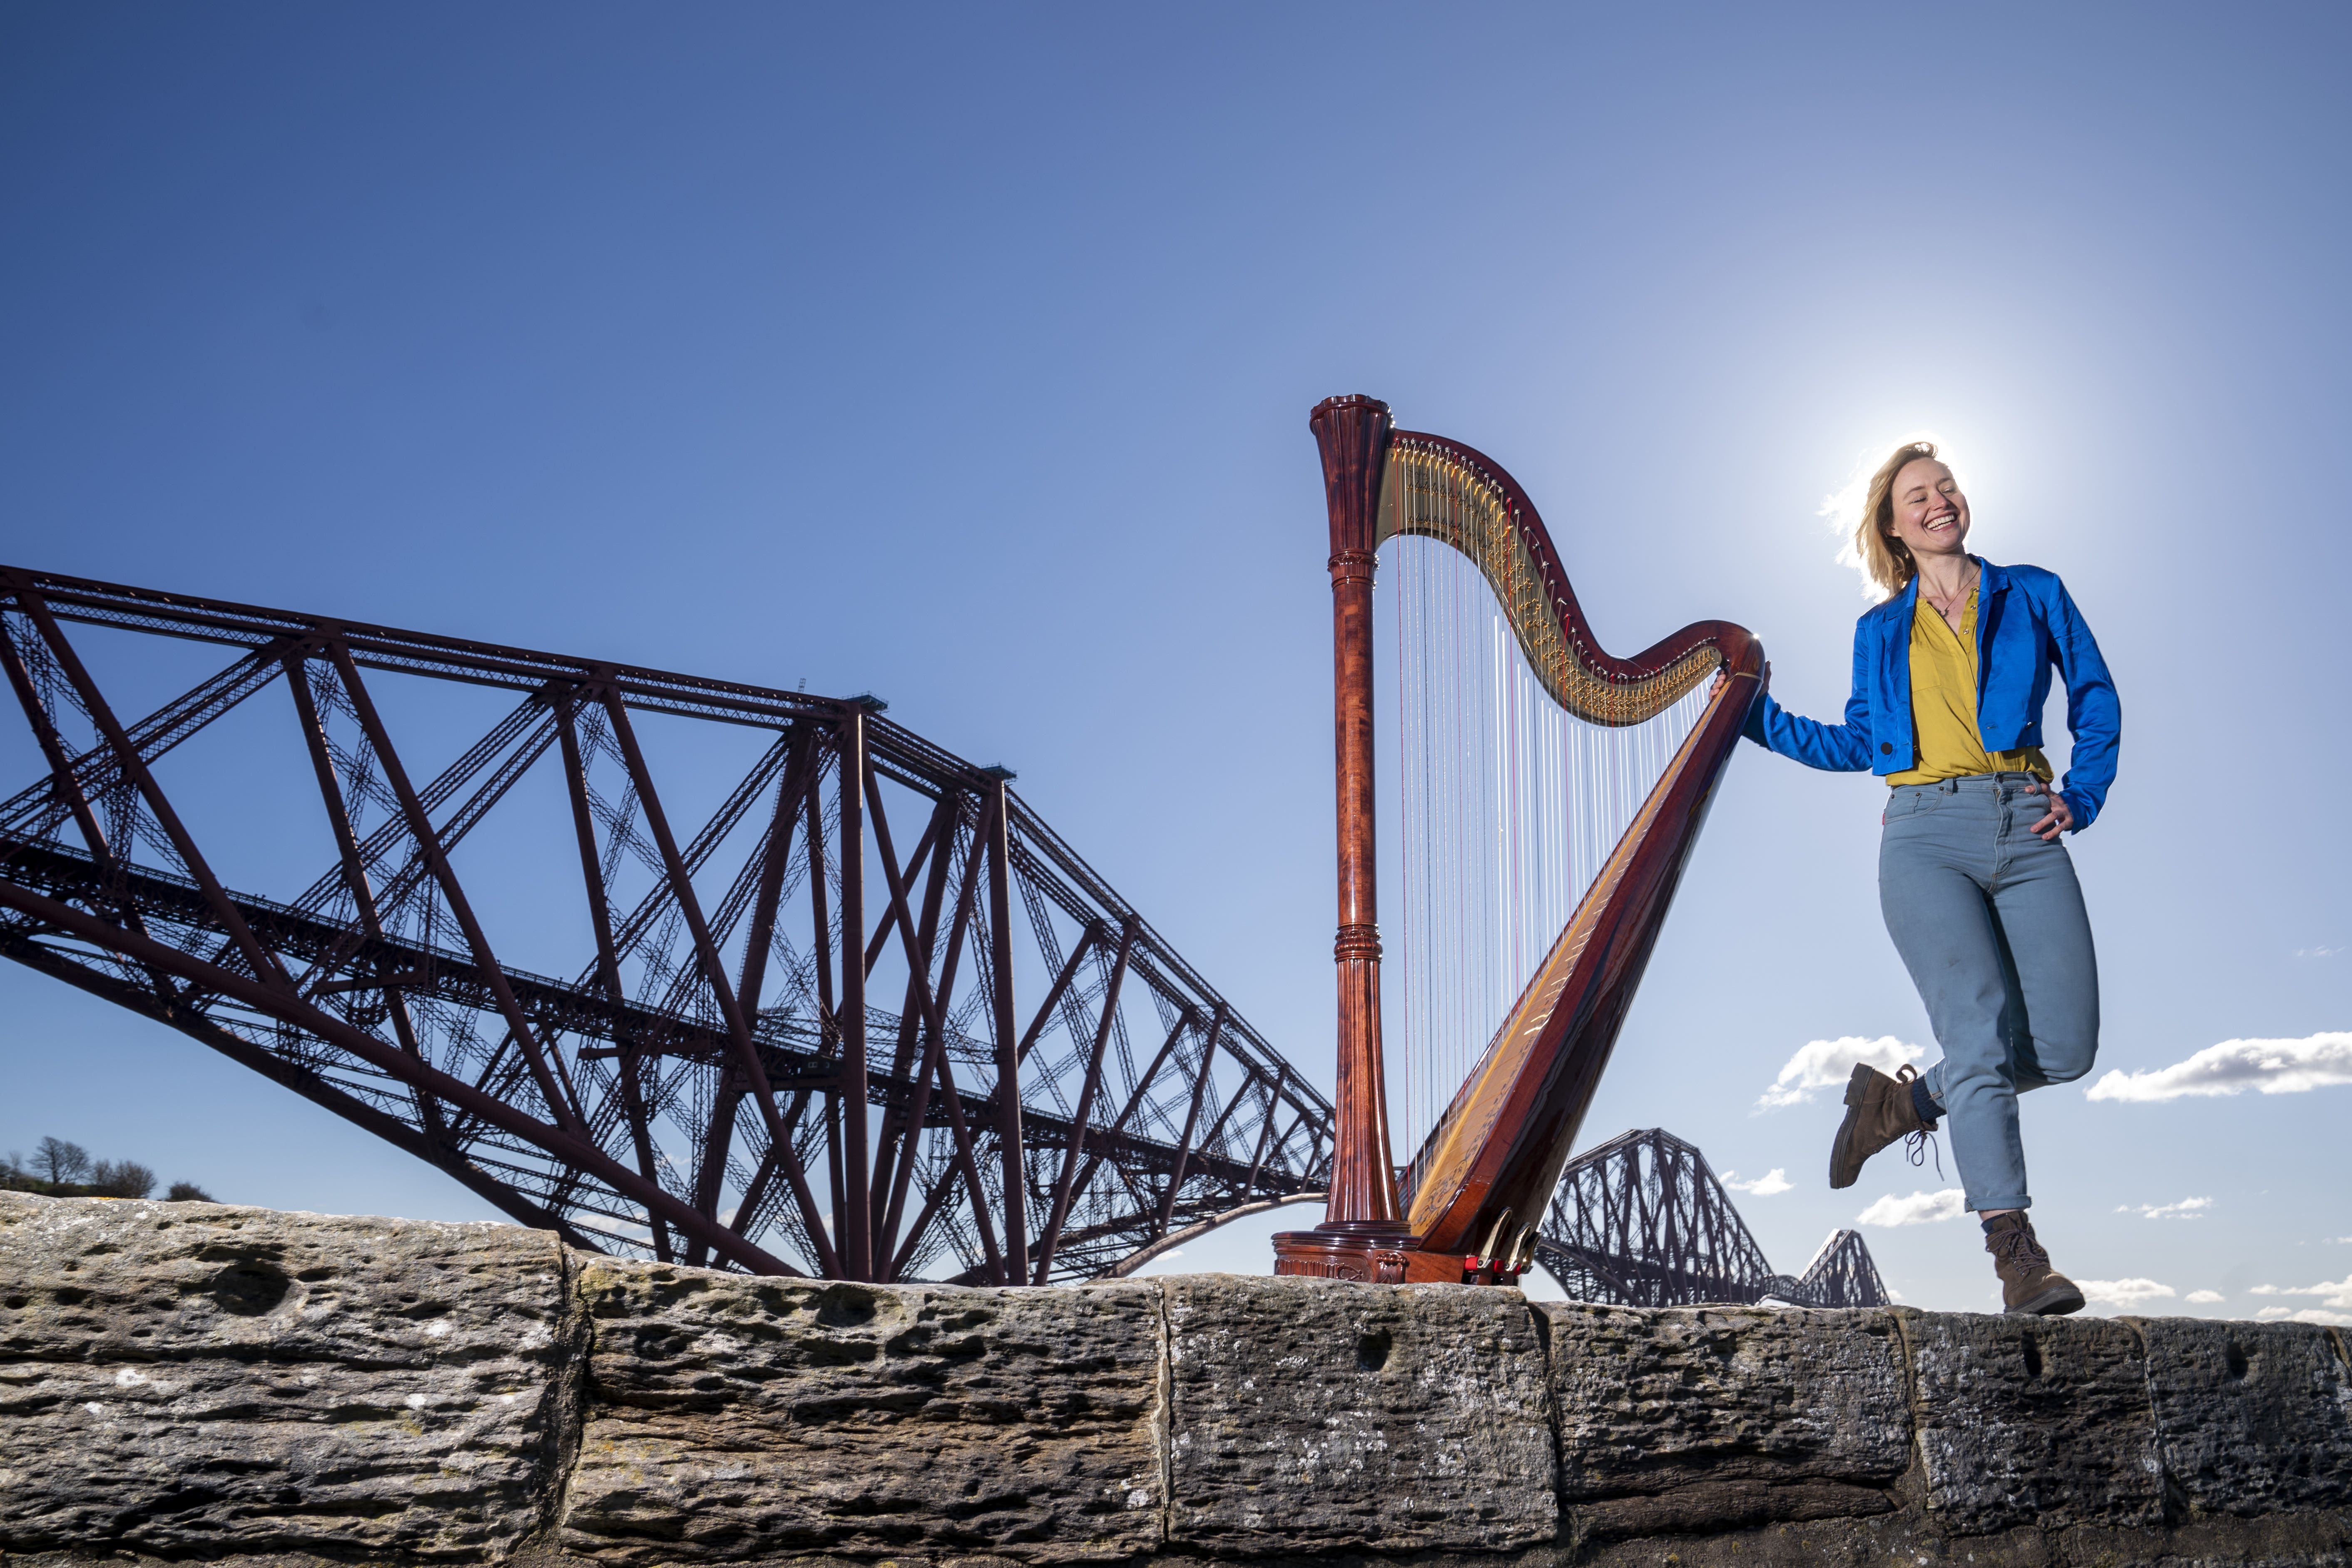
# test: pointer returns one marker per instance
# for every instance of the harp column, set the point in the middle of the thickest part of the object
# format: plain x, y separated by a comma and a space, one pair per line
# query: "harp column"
1363, 1234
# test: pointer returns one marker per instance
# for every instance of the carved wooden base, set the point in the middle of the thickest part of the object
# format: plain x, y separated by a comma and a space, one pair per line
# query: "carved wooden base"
1372, 1257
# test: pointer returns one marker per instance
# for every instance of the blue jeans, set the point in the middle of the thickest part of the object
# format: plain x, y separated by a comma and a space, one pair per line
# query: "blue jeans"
1990, 921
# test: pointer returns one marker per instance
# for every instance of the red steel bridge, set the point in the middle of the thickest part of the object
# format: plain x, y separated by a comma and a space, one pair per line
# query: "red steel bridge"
858, 1012
767, 1026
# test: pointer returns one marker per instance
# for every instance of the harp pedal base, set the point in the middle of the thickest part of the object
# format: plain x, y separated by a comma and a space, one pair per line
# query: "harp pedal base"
1379, 1257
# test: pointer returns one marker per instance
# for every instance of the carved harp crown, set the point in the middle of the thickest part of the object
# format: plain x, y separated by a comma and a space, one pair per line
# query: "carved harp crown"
1489, 1162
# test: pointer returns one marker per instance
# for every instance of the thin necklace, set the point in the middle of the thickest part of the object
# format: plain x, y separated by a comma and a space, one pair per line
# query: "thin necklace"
1944, 606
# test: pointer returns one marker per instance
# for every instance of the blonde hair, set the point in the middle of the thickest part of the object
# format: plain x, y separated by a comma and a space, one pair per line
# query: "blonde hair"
1887, 559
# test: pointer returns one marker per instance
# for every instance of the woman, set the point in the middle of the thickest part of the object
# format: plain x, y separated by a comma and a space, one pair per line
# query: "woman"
1949, 676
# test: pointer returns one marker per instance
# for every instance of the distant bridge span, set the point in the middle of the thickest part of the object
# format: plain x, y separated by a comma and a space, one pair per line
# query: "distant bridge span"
1642, 1221
861, 1015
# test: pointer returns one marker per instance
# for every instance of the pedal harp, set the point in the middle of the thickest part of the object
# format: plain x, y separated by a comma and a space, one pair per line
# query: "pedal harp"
1619, 755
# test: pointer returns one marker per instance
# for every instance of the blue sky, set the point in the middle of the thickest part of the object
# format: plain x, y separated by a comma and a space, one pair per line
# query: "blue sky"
964, 354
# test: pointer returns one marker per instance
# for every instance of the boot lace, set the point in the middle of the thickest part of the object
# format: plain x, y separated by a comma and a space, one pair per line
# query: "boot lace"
2020, 1247
1918, 1145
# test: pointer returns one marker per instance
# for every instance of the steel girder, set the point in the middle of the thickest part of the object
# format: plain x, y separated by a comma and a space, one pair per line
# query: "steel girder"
1642, 1221
789, 1040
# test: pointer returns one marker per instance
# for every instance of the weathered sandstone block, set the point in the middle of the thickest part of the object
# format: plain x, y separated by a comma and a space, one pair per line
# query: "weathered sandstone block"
1714, 1418
197, 1380
2034, 1421
1316, 1415
735, 1417
2252, 1418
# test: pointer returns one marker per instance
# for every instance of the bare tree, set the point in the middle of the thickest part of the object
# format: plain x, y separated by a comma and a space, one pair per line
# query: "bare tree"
188, 1192
62, 1160
121, 1179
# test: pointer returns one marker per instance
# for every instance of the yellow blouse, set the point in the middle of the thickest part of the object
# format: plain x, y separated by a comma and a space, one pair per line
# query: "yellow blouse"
1944, 704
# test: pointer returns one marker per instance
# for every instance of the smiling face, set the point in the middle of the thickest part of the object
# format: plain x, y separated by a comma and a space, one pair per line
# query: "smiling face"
1931, 515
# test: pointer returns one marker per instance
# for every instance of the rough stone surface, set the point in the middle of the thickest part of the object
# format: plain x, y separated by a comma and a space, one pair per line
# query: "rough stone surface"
2252, 1418
192, 1383
2033, 1421
2283, 1541
1315, 1413
732, 1418
194, 1379
1717, 1417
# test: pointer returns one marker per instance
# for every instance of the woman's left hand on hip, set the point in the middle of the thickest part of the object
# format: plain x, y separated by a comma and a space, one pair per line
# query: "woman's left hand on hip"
2060, 816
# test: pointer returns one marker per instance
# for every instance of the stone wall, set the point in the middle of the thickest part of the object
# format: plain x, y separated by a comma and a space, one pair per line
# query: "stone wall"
203, 1383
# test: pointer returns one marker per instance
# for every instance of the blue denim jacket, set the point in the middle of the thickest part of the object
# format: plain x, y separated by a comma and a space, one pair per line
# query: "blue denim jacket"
2025, 624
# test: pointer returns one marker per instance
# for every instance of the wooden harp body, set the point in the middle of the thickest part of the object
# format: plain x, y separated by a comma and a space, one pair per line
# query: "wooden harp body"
1465, 1209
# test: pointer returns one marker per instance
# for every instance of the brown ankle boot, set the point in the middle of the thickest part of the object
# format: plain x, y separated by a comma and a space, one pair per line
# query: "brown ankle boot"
2028, 1283
1878, 1111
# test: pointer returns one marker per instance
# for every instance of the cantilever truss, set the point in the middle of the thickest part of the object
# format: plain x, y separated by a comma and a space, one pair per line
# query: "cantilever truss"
1641, 1221
781, 1031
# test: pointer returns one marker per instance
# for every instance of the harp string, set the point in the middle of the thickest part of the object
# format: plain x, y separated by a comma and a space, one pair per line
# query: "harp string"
1508, 807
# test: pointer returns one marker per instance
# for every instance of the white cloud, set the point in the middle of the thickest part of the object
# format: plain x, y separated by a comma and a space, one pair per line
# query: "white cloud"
2123, 1292
2307, 1315
1775, 1180
1919, 1209
2274, 1067
2187, 1208
2206, 1298
1827, 1064
2317, 951
2335, 1293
